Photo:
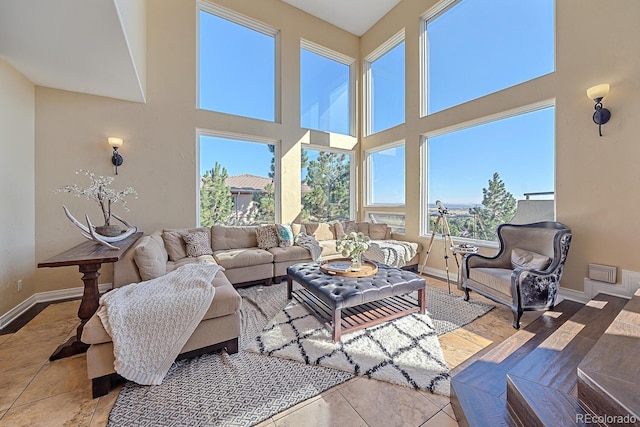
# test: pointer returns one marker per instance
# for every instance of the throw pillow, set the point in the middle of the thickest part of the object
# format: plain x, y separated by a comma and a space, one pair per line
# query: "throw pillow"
529, 260
149, 259
174, 243
377, 231
339, 229
285, 235
197, 244
267, 236
349, 227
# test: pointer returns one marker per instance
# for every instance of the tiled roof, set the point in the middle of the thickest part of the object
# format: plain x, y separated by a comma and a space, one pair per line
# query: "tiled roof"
247, 183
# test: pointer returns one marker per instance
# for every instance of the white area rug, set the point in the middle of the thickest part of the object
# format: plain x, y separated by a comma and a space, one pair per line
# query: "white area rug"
404, 351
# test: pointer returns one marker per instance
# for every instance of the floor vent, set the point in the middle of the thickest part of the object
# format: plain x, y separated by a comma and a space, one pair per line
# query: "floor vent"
602, 273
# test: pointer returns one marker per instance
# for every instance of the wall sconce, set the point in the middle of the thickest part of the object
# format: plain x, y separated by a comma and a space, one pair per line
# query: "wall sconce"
116, 159
601, 115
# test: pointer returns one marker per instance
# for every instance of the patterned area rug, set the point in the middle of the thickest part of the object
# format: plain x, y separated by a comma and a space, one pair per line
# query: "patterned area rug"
227, 390
246, 388
405, 351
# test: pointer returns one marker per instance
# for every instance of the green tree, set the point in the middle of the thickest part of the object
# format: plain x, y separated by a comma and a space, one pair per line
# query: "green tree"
328, 179
265, 202
498, 207
216, 201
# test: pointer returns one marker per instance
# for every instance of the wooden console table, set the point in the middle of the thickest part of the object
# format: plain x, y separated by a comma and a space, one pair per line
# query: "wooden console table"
89, 257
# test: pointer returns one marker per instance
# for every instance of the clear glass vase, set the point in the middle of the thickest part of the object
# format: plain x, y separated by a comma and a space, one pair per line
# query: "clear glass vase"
356, 262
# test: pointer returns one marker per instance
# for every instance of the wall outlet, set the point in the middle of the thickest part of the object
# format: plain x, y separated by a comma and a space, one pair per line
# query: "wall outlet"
19, 285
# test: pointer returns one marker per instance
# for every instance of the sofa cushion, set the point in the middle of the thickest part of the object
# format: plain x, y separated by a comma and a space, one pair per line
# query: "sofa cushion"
224, 237
349, 227
320, 230
378, 231
244, 257
174, 242
297, 229
338, 228
328, 248
189, 260
291, 253
150, 258
267, 236
198, 244
528, 259
362, 227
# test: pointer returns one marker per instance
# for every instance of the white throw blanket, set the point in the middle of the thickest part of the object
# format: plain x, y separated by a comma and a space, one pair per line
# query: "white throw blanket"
395, 253
151, 321
310, 243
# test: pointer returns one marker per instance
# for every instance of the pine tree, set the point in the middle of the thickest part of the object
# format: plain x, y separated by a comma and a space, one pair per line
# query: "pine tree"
498, 207
328, 179
216, 200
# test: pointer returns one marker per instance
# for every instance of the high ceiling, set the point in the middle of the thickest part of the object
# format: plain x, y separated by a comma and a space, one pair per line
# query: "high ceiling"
355, 16
98, 47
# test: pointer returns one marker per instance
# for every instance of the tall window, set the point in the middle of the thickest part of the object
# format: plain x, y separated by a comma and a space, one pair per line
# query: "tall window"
325, 90
234, 191
480, 172
237, 65
385, 176
326, 185
477, 47
385, 86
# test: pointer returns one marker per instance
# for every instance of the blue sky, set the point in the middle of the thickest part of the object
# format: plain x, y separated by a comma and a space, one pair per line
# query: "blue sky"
474, 49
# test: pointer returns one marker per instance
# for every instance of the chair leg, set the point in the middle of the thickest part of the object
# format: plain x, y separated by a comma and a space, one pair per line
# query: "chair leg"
517, 314
466, 294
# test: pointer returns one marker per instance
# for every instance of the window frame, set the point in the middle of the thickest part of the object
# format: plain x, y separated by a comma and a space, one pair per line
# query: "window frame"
342, 59
382, 50
425, 231
200, 132
251, 24
352, 174
368, 169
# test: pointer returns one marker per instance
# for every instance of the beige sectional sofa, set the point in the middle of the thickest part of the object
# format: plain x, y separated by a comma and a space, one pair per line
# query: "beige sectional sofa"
234, 248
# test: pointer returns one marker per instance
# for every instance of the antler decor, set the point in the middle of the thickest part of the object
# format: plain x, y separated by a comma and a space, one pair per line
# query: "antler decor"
100, 192
91, 234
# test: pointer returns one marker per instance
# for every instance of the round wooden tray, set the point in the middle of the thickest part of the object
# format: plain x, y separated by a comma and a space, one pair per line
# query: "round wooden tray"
368, 268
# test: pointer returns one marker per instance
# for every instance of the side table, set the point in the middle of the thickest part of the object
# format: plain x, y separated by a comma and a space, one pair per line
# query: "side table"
463, 249
89, 257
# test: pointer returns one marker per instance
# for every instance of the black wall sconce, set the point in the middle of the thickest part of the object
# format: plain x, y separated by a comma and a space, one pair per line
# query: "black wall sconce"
116, 159
601, 115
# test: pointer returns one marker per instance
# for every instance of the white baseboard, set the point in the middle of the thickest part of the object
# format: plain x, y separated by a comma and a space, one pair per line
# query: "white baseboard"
47, 296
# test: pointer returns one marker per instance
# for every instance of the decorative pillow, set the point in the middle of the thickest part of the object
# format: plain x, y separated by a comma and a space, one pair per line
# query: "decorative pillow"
529, 260
285, 235
377, 231
174, 242
349, 227
267, 236
150, 259
339, 229
197, 244
320, 230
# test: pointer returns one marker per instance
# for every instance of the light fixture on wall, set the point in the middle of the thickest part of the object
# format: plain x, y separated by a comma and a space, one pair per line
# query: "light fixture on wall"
116, 159
601, 115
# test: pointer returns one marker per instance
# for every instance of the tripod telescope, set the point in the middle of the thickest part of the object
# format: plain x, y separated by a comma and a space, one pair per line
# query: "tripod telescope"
443, 224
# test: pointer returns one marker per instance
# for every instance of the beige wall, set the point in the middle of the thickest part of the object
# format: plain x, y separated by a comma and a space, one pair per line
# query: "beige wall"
17, 221
160, 150
596, 178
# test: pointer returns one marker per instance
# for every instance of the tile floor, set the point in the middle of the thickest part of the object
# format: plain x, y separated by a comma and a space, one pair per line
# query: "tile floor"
36, 392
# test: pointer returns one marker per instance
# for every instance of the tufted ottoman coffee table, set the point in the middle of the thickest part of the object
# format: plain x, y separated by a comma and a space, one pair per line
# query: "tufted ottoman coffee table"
346, 304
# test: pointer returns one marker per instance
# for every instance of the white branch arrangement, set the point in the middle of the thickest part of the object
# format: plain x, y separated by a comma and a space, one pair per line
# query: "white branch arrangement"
100, 192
